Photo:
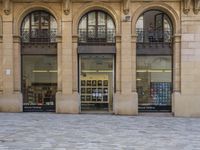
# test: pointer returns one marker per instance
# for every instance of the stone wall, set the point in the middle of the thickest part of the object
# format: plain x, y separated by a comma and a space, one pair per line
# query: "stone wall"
186, 83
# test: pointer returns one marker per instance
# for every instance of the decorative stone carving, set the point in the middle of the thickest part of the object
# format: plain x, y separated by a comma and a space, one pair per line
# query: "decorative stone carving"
196, 6
66, 6
126, 5
186, 6
6, 7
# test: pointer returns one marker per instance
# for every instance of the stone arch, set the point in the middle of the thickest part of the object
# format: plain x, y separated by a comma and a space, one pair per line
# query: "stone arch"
94, 6
157, 6
21, 14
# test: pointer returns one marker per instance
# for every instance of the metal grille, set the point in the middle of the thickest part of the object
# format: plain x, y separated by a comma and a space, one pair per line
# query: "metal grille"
99, 37
39, 36
156, 36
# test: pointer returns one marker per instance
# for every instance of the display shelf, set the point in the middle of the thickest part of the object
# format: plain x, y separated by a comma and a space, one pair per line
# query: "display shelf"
94, 91
40, 97
160, 93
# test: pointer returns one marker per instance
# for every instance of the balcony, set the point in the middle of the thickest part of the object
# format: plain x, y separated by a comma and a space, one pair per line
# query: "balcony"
39, 36
96, 37
153, 42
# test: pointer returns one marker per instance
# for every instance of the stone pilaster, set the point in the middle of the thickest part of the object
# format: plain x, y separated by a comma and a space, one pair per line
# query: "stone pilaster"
67, 101
10, 100
125, 102
7, 54
17, 63
176, 70
118, 64
177, 63
134, 56
75, 63
59, 63
1, 63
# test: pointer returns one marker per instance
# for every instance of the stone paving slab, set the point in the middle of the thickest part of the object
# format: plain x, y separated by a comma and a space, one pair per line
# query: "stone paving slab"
46, 131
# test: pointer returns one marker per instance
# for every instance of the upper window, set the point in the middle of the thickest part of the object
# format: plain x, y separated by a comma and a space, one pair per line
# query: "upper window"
154, 26
39, 27
96, 27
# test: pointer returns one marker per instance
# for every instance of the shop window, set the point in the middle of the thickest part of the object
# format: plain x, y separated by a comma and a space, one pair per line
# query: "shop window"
96, 82
39, 62
154, 61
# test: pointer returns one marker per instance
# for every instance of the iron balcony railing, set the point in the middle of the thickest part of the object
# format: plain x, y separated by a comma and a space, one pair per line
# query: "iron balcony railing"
154, 36
39, 36
96, 37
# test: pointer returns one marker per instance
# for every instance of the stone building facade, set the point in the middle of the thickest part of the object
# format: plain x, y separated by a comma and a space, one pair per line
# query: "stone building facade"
118, 56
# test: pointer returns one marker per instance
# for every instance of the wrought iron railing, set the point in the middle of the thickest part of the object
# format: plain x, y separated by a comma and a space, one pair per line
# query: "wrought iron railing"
96, 37
154, 36
39, 36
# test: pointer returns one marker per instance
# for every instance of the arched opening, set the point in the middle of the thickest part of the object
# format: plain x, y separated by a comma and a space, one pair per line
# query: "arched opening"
96, 50
154, 61
96, 27
39, 61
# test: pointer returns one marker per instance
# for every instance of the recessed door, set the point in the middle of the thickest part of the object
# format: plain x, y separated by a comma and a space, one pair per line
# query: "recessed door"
96, 82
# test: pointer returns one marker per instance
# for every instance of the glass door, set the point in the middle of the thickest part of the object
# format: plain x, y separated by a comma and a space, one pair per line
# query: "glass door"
96, 82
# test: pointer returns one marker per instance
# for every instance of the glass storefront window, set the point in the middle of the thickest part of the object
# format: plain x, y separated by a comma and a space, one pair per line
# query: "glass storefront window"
96, 82
154, 61
154, 82
39, 82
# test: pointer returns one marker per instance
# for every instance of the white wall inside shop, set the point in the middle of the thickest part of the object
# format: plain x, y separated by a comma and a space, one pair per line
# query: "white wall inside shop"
40, 69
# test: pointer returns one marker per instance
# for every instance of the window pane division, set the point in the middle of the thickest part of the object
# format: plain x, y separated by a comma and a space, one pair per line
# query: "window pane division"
99, 28
38, 27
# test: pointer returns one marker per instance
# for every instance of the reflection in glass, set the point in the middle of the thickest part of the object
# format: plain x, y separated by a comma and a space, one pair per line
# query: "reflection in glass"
154, 80
101, 18
96, 26
154, 26
97, 72
38, 26
39, 82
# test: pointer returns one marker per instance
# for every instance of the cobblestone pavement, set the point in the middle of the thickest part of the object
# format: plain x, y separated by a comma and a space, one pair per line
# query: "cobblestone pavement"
46, 131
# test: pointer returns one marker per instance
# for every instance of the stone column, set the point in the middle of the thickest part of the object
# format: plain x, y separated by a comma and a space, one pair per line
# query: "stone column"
126, 102
75, 63
176, 63
118, 64
134, 69
176, 69
67, 101
1, 63
10, 101
59, 63
17, 63
7, 53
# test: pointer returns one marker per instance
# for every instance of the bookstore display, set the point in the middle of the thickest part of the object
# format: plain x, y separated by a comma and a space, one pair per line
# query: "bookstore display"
160, 97
39, 97
94, 91
160, 93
